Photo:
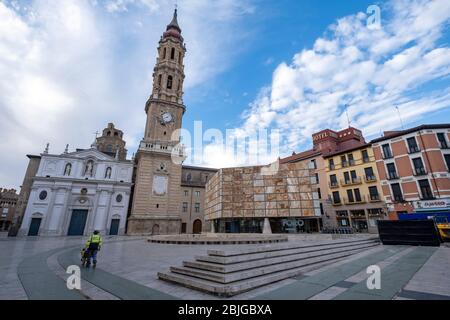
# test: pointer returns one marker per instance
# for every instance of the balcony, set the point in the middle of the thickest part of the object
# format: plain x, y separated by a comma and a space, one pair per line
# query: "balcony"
444, 145
370, 178
392, 176
332, 167
412, 150
333, 184
355, 201
335, 202
351, 182
420, 172
366, 160
399, 198
352, 162
374, 198
344, 164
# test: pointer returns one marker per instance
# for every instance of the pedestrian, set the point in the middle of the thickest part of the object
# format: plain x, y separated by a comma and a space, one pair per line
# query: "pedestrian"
93, 245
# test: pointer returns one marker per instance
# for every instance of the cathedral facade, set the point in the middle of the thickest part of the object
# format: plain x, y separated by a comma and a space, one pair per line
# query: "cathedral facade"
75, 193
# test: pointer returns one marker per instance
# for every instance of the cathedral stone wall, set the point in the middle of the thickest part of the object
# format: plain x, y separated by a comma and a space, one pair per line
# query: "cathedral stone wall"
285, 190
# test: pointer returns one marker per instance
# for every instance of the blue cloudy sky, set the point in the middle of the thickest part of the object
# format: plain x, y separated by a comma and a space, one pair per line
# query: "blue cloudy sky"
69, 67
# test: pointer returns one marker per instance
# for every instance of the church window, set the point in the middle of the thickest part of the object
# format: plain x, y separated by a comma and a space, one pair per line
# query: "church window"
172, 54
160, 80
169, 82
68, 169
189, 177
108, 173
43, 195
109, 148
165, 52
119, 198
109, 133
179, 57
116, 134
157, 206
179, 85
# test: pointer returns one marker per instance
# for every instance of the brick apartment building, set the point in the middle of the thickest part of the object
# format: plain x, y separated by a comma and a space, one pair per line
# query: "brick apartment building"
414, 167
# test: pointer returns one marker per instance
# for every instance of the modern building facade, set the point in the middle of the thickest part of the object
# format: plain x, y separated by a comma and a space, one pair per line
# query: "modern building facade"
280, 198
414, 168
75, 193
354, 188
8, 204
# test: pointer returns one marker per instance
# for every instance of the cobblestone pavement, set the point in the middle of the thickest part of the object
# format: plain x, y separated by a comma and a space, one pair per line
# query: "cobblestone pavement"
35, 269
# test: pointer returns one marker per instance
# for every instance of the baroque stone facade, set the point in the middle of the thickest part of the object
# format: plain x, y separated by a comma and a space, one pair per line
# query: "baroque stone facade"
75, 193
244, 199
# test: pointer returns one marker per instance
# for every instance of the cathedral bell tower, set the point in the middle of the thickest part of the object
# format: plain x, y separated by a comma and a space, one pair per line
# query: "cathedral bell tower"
157, 194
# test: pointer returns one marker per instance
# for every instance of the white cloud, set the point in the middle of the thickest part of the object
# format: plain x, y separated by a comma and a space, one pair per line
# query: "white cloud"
70, 67
370, 70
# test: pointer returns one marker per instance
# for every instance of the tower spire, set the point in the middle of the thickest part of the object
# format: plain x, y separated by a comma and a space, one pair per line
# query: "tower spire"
174, 23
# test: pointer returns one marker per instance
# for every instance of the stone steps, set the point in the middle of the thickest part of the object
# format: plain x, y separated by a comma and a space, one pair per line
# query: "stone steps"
227, 278
224, 258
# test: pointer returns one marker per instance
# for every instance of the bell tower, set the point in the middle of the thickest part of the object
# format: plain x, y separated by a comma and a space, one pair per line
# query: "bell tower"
157, 194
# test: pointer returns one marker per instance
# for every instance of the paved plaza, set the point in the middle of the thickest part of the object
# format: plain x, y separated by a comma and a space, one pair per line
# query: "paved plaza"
128, 267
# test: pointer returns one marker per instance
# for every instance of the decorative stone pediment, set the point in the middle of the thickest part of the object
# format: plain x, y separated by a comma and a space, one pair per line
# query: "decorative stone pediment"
91, 154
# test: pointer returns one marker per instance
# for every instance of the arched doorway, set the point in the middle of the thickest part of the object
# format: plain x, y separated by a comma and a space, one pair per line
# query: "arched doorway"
155, 230
197, 228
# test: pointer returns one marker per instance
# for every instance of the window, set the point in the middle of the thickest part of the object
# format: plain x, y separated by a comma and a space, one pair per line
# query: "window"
185, 206
412, 145
314, 164
186, 193
442, 140
365, 156
387, 154
425, 189
347, 178
68, 169
172, 54
357, 195
397, 192
159, 80
447, 161
169, 82
43, 195
119, 198
351, 199
343, 213
189, 177
344, 161
336, 197
331, 164
179, 57
374, 195
333, 181
419, 169
392, 172
351, 160
165, 53
319, 193
370, 176
109, 148
108, 173
354, 176
317, 178
197, 207
197, 194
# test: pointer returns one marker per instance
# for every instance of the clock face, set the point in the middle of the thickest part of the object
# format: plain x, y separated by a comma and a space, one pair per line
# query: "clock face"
167, 117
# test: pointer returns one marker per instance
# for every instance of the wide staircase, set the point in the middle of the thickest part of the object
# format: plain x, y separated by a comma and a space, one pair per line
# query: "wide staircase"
228, 273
